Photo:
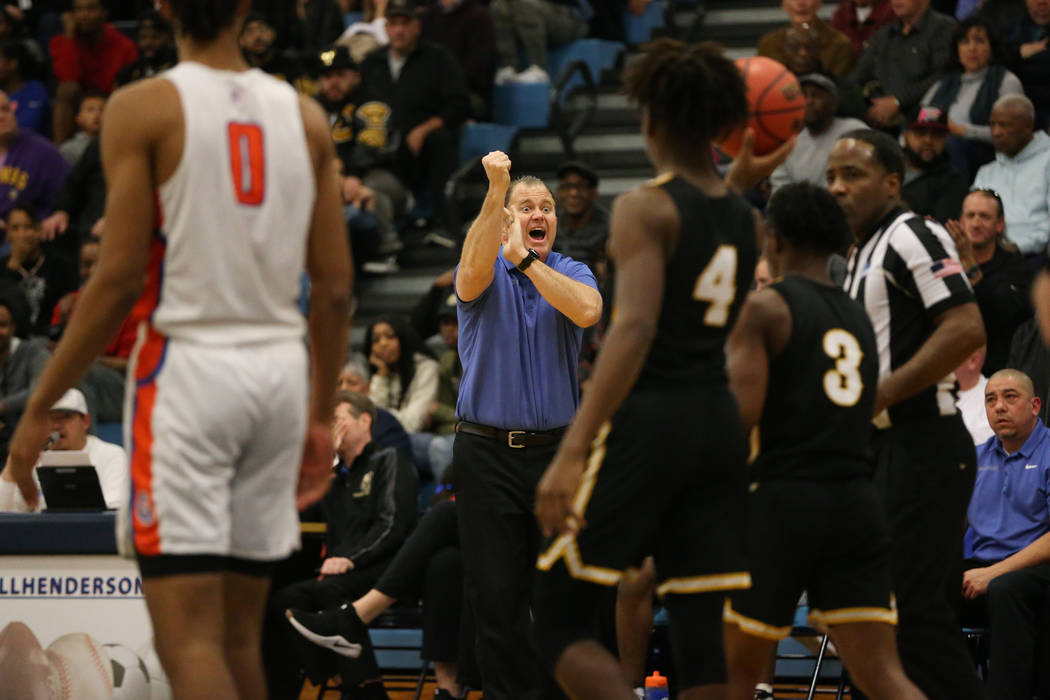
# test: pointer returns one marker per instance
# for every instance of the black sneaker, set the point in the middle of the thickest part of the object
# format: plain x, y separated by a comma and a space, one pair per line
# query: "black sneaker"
338, 630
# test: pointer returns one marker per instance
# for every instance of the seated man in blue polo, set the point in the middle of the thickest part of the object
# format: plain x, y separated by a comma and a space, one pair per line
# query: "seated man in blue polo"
1006, 580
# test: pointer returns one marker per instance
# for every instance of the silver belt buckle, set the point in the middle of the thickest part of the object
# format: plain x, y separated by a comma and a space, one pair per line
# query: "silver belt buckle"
511, 434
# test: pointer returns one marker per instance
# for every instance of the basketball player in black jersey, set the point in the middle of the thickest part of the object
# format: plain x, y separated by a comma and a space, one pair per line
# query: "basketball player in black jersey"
653, 461
803, 366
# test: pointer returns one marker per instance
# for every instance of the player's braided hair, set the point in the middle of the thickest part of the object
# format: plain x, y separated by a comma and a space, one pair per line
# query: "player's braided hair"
203, 20
809, 217
692, 91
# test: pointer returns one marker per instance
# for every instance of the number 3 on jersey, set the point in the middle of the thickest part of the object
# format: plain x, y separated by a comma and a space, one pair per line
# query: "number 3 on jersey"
717, 285
247, 162
843, 385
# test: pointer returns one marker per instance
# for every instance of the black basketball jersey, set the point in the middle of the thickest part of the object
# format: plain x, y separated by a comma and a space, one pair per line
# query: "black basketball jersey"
705, 282
816, 422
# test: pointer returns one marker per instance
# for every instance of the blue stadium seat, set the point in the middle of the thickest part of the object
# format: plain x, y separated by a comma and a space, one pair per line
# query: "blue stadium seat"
599, 55
523, 105
478, 138
111, 432
640, 29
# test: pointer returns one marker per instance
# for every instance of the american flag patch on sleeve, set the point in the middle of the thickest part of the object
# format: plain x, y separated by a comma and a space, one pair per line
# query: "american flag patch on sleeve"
945, 268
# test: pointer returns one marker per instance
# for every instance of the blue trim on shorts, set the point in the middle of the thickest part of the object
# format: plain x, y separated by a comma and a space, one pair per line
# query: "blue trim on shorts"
148, 379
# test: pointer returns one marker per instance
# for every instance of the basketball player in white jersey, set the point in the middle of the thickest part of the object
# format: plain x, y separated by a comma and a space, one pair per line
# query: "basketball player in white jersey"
222, 187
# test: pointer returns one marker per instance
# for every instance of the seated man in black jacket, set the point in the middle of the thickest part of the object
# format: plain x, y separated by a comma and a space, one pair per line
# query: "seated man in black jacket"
419, 100
999, 274
370, 509
932, 186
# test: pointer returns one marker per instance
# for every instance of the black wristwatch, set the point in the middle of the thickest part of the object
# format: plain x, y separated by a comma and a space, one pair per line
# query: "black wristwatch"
527, 260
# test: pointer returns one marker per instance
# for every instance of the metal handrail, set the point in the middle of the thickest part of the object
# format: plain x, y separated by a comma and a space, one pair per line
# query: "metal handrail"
567, 125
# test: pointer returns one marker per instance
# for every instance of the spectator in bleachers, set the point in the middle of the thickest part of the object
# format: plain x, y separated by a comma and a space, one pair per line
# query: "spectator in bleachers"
809, 157
429, 569
974, 82
432, 450
1030, 354
32, 170
258, 44
419, 95
970, 397
371, 24
44, 276
375, 198
1026, 38
583, 223
370, 509
404, 376
1020, 174
932, 186
465, 28
387, 430
156, 44
532, 26
425, 312
87, 57
80, 203
833, 47
1006, 579
902, 61
320, 22
103, 385
21, 362
70, 420
17, 70
89, 125
860, 19
998, 273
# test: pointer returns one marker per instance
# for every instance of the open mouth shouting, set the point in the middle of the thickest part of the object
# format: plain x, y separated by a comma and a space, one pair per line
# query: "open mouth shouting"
537, 234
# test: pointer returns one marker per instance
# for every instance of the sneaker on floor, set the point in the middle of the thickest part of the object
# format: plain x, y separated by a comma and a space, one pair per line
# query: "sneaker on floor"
532, 74
504, 76
763, 692
383, 266
326, 629
439, 237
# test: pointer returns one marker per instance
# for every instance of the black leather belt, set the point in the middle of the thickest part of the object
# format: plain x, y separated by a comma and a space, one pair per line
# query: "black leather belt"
514, 438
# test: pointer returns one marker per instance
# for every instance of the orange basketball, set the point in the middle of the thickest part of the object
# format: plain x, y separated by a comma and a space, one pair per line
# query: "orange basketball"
776, 102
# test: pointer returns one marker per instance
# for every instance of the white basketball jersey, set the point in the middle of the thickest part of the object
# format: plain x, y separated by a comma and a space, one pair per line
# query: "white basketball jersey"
235, 214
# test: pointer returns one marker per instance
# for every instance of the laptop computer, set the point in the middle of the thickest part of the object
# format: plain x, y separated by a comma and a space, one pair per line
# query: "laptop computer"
69, 482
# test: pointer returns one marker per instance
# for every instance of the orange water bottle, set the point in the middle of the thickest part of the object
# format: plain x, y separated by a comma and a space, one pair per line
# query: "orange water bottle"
656, 687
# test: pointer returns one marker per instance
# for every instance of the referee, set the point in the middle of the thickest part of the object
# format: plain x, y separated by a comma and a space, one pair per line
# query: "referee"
905, 272
522, 310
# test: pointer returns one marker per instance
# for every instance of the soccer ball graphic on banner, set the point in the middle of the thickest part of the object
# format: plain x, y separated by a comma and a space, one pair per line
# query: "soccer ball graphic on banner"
131, 678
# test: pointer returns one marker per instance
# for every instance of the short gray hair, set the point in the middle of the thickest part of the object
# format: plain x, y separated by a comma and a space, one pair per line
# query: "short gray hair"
1018, 104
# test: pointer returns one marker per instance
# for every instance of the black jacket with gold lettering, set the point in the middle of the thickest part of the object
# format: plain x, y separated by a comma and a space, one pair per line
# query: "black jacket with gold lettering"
371, 506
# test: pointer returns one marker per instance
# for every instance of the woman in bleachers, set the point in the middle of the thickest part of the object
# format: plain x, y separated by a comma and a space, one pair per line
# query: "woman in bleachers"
404, 374
975, 81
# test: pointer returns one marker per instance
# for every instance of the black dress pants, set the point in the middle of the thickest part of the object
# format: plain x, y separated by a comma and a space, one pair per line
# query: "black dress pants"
496, 487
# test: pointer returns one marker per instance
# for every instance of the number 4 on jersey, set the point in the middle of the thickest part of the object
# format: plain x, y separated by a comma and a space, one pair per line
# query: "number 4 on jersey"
247, 162
717, 285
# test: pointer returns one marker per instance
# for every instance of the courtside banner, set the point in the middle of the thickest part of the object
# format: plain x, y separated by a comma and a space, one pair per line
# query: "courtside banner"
75, 627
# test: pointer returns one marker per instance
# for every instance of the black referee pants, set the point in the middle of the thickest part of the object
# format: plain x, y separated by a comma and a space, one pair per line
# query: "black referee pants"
925, 474
499, 537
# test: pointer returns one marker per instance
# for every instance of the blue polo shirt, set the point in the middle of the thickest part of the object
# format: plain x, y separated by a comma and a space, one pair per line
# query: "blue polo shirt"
1010, 506
520, 355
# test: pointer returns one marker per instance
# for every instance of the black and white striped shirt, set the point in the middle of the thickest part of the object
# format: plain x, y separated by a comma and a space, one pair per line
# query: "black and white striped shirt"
906, 275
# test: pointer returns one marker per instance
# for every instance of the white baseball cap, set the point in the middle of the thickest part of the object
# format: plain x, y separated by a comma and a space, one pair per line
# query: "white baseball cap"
73, 401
